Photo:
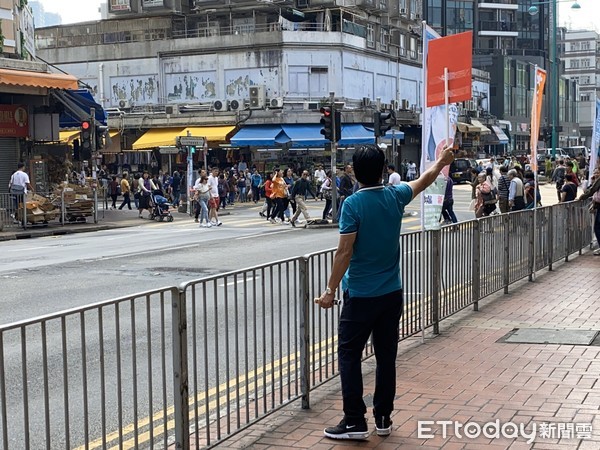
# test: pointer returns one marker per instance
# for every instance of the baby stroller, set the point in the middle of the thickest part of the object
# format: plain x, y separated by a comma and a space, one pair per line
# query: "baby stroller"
160, 207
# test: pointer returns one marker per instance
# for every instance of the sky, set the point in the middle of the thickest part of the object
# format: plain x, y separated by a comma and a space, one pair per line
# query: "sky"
84, 10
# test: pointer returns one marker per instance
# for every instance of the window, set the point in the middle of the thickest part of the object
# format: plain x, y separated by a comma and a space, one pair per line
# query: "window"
120, 5
584, 97
585, 45
370, 36
585, 63
574, 64
585, 79
574, 46
383, 4
385, 40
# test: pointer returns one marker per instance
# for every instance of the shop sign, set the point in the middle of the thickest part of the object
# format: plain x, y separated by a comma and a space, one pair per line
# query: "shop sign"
14, 121
120, 5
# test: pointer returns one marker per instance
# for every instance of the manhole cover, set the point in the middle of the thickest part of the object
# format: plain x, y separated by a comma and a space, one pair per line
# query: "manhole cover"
549, 336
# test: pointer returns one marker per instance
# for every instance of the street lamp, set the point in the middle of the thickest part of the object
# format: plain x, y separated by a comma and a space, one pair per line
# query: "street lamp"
533, 10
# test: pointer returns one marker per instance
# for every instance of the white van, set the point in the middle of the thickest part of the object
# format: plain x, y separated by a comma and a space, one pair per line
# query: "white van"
560, 153
577, 150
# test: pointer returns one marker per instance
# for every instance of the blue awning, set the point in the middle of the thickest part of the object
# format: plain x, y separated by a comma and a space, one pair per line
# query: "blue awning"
78, 106
309, 135
502, 137
388, 137
260, 136
305, 135
356, 134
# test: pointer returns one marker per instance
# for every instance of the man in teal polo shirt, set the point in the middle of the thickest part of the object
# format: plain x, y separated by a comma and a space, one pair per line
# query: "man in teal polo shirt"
368, 259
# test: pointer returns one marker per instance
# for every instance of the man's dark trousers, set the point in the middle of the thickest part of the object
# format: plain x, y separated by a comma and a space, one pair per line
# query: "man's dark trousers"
359, 317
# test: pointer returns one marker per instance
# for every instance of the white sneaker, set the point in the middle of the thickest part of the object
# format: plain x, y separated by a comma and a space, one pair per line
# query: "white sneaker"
597, 252
203, 225
209, 225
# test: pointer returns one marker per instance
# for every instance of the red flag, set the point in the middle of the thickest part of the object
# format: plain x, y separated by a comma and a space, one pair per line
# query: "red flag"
454, 53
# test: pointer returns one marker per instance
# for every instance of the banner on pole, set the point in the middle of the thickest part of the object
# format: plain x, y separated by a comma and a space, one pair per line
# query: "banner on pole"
595, 150
433, 140
536, 114
454, 53
433, 130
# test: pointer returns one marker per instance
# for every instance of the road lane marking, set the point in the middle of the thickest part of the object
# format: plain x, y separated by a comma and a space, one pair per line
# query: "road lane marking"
248, 279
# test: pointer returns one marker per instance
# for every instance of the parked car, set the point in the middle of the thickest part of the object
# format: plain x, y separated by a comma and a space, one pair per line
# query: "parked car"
460, 170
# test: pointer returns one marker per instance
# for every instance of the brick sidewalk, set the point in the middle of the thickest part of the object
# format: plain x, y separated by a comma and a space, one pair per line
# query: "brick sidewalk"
466, 375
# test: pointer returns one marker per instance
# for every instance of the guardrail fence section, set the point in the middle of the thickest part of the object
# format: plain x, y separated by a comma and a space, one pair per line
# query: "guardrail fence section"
197, 363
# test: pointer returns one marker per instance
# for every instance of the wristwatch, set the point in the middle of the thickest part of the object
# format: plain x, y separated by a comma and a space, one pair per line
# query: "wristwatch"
328, 291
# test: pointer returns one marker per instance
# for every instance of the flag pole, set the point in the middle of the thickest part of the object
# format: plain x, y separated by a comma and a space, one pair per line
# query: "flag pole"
534, 139
421, 169
447, 102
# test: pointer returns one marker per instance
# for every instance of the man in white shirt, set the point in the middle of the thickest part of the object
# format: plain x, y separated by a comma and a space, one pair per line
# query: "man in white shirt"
18, 185
394, 177
213, 183
320, 178
19, 181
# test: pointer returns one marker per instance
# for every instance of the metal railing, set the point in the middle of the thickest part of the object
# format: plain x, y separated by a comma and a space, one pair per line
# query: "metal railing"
13, 211
199, 362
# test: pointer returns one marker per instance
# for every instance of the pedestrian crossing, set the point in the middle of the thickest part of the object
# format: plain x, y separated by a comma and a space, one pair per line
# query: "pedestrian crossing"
245, 219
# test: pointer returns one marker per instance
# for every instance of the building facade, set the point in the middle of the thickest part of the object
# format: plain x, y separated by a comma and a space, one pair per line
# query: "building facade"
508, 42
581, 61
153, 68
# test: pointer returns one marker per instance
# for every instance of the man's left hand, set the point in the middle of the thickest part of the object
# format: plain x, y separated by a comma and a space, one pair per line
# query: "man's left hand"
326, 300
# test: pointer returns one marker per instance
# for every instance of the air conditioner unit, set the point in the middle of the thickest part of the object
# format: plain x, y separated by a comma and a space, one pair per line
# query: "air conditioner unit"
220, 105
403, 11
394, 104
276, 102
366, 101
313, 106
172, 109
257, 97
124, 104
236, 104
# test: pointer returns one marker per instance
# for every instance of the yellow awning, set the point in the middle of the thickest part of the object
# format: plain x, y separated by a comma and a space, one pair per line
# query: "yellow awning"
211, 134
157, 137
113, 133
481, 128
66, 137
23, 78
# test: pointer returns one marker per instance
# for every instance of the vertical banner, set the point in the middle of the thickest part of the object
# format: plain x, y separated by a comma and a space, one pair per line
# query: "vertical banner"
595, 150
536, 114
453, 55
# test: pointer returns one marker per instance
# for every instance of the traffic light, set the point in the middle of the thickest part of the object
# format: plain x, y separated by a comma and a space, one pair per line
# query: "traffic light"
327, 122
86, 140
337, 121
383, 121
192, 149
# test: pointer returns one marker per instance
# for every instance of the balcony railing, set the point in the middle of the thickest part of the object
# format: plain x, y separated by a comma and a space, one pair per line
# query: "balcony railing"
489, 25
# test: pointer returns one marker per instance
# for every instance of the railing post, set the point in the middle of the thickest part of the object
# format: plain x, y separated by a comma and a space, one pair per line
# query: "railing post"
506, 222
476, 269
567, 232
24, 203
532, 248
436, 264
304, 332
550, 238
180, 370
95, 205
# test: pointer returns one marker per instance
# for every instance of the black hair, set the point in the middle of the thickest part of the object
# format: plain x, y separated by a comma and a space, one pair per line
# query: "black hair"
368, 162
503, 169
391, 167
20, 165
529, 175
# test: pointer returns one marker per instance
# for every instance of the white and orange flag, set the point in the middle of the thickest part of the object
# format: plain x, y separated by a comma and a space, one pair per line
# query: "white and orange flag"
536, 113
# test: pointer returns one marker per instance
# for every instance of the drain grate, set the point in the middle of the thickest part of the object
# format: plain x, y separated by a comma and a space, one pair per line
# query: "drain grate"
549, 336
